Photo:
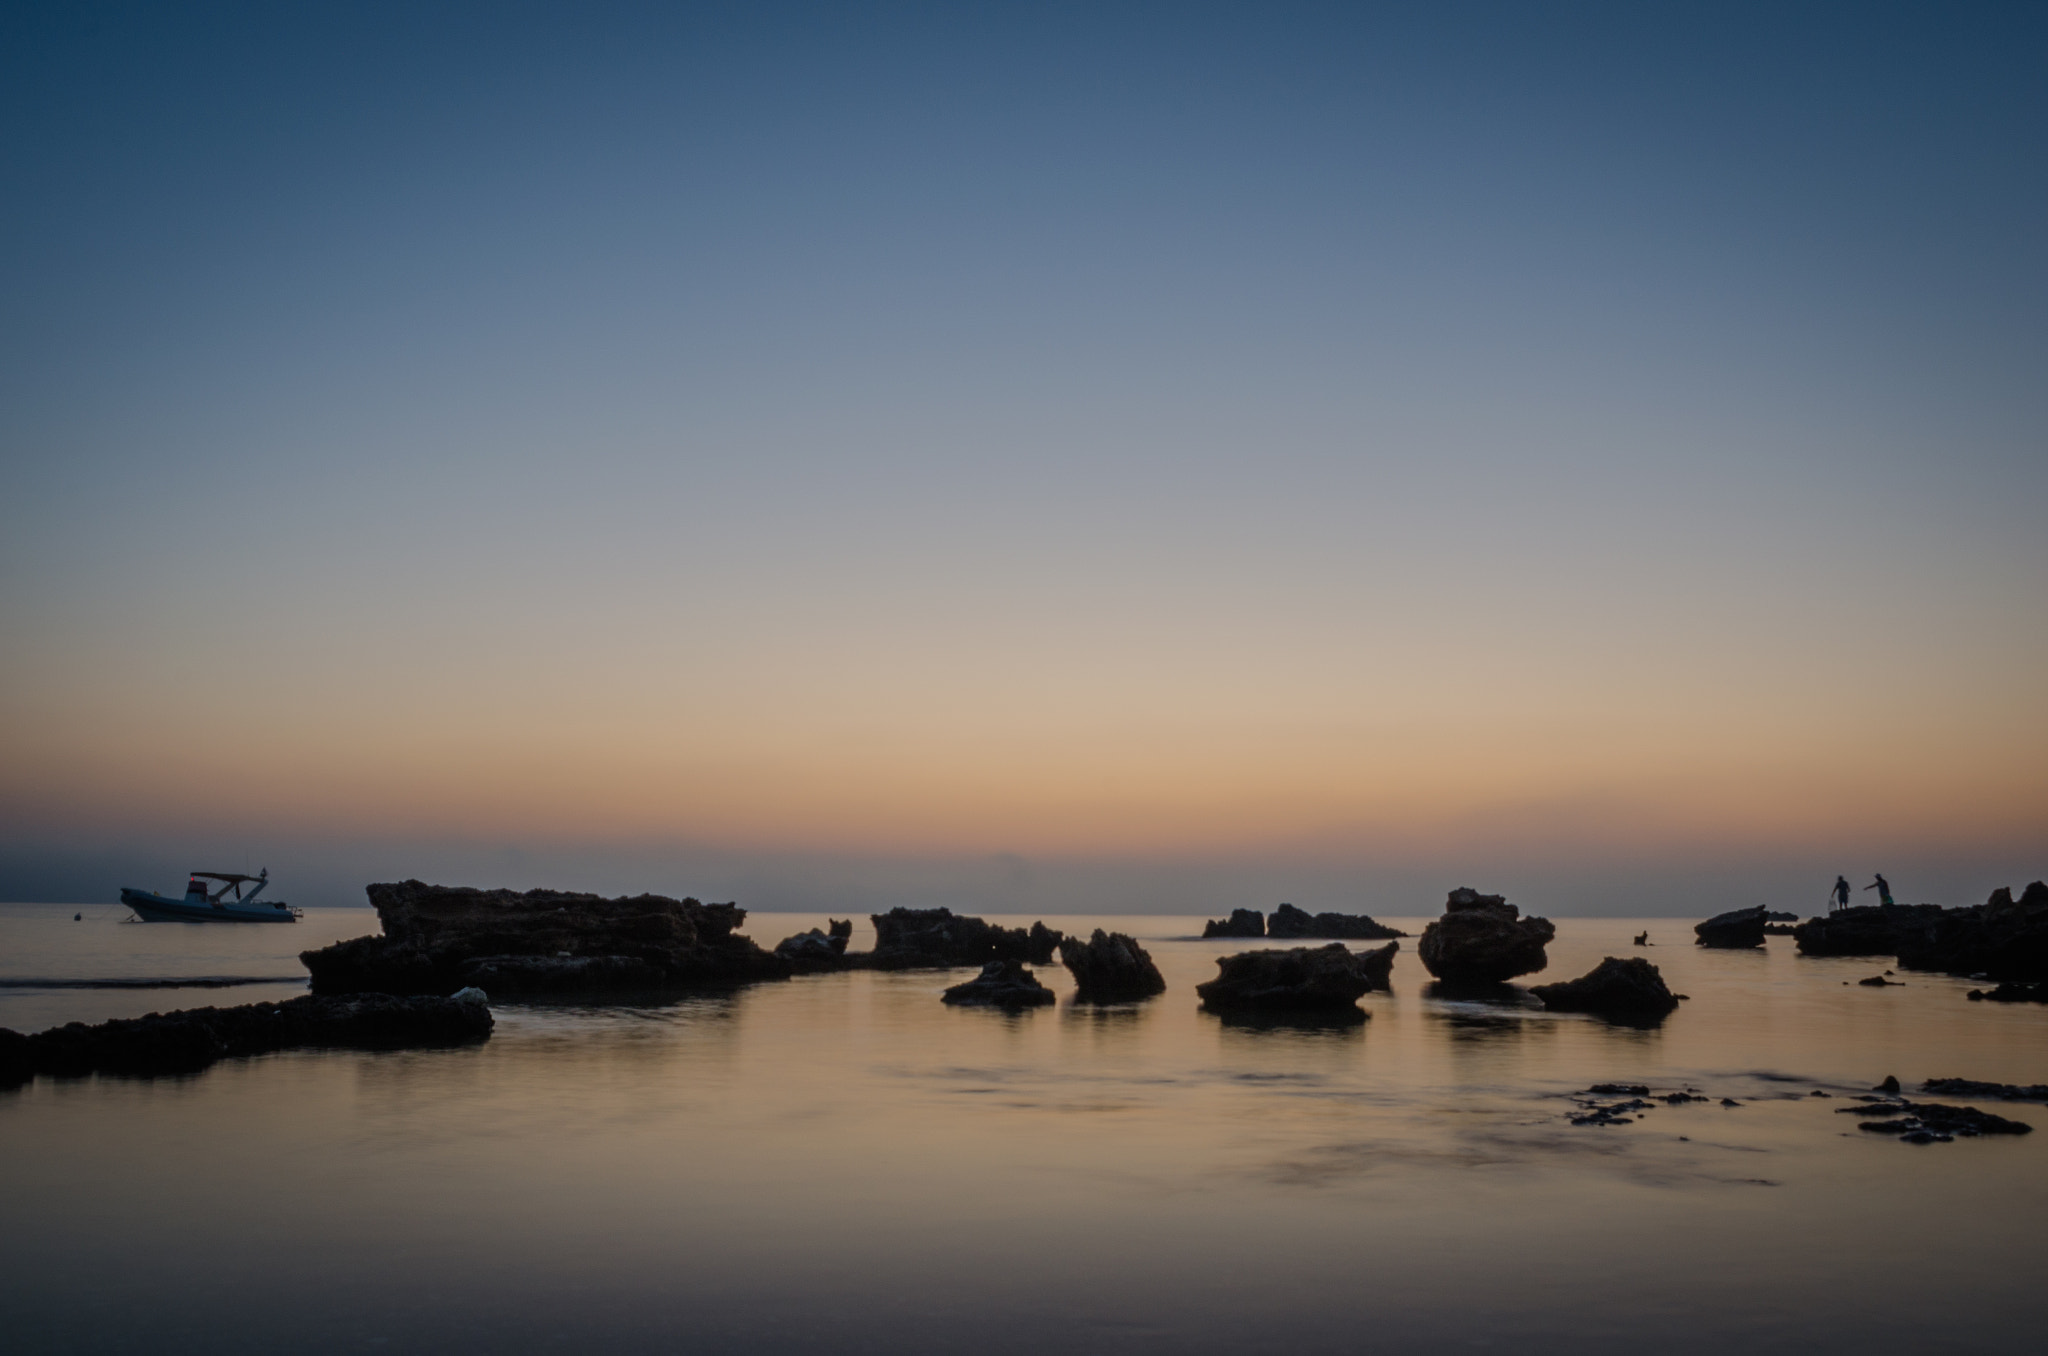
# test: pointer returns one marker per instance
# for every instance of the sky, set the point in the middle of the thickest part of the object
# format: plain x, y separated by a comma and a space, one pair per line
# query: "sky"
1079, 458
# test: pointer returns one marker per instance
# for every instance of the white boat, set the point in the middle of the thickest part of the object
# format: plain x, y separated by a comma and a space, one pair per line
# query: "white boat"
203, 906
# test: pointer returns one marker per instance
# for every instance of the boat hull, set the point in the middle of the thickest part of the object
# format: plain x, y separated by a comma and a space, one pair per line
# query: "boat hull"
155, 908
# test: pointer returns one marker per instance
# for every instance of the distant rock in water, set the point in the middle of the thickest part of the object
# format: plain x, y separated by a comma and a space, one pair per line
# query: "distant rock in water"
1868, 930
188, 1041
1629, 988
910, 939
1110, 968
1931, 1122
1780, 916
1298, 978
1483, 939
439, 938
2001, 939
2010, 992
1241, 923
816, 950
1738, 929
1288, 921
1001, 984
1968, 1087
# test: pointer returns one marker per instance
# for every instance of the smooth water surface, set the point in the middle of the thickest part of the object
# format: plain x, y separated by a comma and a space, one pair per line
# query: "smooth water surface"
841, 1163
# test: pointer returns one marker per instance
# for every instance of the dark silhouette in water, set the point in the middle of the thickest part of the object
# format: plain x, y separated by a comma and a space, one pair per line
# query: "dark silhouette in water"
1642, 939
1483, 939
1622, 988
1883, 888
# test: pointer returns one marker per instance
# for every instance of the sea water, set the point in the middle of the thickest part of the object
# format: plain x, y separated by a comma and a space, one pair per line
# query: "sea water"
843, 1163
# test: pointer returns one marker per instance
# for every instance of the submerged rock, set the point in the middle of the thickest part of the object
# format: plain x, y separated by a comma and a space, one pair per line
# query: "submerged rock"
1001, 984
187, 1041
2010, 992
910, 939
439, 938
1301, 977
1110, 968
1483, 939
1868, 930
1288, 921
1969, 1087
2000, 939
1931, 1122
1241, 923
1736, 929
1631, 988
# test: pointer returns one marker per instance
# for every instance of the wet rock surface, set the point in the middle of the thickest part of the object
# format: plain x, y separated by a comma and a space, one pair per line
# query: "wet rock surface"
817, 949
1627, 988
1869, 930
2011, 993
1930, 1122
1001, 984
1483, 939
1636, 1099
1241, 923
1290, 922
439, 938
189, 1040
1969, 1087
1110, 968
1297, 978
1736, 929
2001, 939
911, 939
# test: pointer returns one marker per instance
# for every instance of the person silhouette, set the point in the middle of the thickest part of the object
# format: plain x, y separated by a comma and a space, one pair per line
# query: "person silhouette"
1883, 888
1840, 893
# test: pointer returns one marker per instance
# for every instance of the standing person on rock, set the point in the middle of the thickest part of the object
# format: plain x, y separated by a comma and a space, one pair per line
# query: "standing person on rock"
1840, 894
1883, 888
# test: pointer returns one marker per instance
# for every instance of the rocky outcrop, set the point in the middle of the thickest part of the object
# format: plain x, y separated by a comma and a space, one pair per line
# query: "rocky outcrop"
16, 1066
1001, 984
1737, 929
439, 938
1970, 1087
817, 950
1931, 1122
1483, 939
2011, 992
1622, 988
187, 1041
1288, 921
910, 939
1301, 978
1870, 930
1241, 923
2001, 939
1110, 968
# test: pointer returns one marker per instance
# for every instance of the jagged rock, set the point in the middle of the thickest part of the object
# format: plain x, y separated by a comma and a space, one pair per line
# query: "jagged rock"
1483, 939
1288, 921
1241, 923
817, 950
1868, 930
1969, 1087
2001, 939
187, 1041
1738, 928
1931, 1122
1001, 984
1301, 977
2010, 992
1110, 968
910, 939
440, 938
1631, 988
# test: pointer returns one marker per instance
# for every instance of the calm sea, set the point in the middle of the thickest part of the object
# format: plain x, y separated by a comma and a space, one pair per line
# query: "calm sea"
841, 1163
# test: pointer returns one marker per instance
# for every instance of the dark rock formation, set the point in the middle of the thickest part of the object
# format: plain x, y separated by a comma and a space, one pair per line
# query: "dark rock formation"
187, 1041
1241, 923
1780, 916
1878, 982
815, 950
912, 939
1110, 968
1001, 984
2001, 939
441, 938
1738, 928
1627, 988
1970, 1087
1779, 930
16, 1066
1931, 1122
1483, 939
1288, 921
2010, 992
1301, 977
1871, 930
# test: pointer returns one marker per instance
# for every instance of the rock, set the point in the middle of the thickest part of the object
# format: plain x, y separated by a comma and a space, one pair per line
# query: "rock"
2012, 993
1738, 928
1880, 982
1001, 984
16, 1066
1631, 987
1779, 930
1241, 923
911, 939
187, 1041
1110, 968
1482, 939
1931, 1122
817, 950
2005, 1092
2001, 939
440, 938
1780, 916
1301, 977
1868, 930
1890, 1085
1288, 921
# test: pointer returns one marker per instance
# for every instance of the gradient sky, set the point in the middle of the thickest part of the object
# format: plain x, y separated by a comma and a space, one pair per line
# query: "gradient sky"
1041, 456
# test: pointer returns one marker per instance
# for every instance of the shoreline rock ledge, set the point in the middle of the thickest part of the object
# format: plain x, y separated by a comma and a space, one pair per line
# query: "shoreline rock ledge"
1614, 987
1301, 978
440, 938
1483, 939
